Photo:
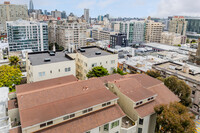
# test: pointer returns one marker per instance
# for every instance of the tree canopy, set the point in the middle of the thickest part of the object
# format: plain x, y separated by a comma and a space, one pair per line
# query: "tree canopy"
98, 71
14, 60
9, 76
180, 88
174, 118
154, 74
119, 71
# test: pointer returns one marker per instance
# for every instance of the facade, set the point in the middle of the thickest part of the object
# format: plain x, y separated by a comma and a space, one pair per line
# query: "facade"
89, 57
65, 104
11, 12
71, 33
188, 73
63, 15
87, 15
24, 35
171, 38
135, 31
52, 32
138, 95
118, 40
101, 35
56, 14
193, 24
153, 31
178, 25
48, 65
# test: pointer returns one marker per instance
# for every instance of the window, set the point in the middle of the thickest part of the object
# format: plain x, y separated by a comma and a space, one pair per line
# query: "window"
108, 103
139, 130
42, 125
41, 74
193, 92
112, 61
50, 71
115, 124
58, 70
66, 117
90, 109
85, 64
72, 115
94, 65
103, 105
50, 123
87, 132
106, 127
141, 121
67, 69
84, 111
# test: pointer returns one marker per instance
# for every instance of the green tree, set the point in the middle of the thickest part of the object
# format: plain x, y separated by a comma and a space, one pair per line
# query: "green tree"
119, 71
187, 41
180, 88
14, 60
193, 41
154, 74
98, 71
174, 118
10, 76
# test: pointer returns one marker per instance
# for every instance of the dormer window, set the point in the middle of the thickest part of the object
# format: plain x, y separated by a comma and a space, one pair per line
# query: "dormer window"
103, 105
72, 115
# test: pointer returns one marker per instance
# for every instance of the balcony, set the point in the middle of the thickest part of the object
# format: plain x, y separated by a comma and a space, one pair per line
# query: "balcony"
128, 126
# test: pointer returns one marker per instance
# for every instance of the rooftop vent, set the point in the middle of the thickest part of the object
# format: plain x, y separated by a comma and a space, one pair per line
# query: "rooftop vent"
82, 50
98, 53
47, 59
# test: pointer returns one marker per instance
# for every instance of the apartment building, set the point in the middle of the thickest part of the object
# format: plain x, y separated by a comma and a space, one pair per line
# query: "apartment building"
101, 35
52, 32
138, 95
171, 38
118, 40
87, 15
48, 65
11, 12
89, 57
24, 35
153, 31
178, 25
188, 73
56, 14
135, 31
66, 105
71, 32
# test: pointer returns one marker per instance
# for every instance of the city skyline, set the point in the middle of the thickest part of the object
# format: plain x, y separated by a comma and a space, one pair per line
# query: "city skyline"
119, 8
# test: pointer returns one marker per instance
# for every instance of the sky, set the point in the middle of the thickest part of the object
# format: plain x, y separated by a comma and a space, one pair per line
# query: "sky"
120, 8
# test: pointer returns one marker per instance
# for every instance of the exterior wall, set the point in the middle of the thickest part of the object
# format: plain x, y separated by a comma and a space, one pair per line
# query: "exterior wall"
132, 129
84, 64
152, 122
113, 130
33, 72
27, 35
178, 25
153, 31
59, 120
171, 38
14, 114
11, 12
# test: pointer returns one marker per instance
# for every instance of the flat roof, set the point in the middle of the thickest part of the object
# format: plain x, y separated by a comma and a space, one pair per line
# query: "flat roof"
37, 58
90, 52
161, 46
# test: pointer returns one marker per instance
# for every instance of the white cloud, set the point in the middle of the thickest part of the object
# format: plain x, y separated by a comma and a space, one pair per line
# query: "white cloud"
167, 8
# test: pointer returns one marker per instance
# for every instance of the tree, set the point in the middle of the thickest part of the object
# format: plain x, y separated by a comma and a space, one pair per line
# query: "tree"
14, 61
193, 41
10, 76
98, 71
119, 71
180, 88
174, 118
154, 74
187, 41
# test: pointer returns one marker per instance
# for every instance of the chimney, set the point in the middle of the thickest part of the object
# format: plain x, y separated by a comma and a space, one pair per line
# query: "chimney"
186, 68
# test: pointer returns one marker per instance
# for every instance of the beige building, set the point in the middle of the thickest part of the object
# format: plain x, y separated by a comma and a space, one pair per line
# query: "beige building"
188, 73
153, 31
11, 12
89, 57
65, 105
171, 38
48, 65
138, 95
102, 34
178, 24
71, 32
52, 32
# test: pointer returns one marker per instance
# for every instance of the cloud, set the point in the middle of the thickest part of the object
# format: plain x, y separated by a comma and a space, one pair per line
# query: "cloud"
177, 7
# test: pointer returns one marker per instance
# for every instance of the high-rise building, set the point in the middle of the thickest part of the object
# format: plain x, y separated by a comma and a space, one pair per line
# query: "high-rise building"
87, 15
118, 40
100, 18
153, 31
71, 32
31, 6
56, 14
63, 15
178, 24
135, 31
27, 35
11, 12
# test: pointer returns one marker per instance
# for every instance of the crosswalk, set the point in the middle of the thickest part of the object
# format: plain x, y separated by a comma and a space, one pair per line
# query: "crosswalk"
197, 126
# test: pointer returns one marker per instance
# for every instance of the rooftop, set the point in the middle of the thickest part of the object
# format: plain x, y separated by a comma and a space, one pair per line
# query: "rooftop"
91, 52
38, 58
